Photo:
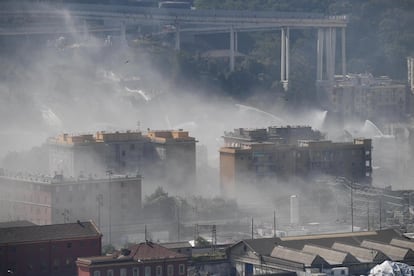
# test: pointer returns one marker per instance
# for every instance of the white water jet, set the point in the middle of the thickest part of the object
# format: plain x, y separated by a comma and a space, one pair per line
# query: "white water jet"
278, 120
191, 125
138, 92
50, 118
109, 75
371, 129
320, 118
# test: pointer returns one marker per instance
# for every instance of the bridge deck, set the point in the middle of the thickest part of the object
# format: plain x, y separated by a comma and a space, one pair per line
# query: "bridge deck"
211, 19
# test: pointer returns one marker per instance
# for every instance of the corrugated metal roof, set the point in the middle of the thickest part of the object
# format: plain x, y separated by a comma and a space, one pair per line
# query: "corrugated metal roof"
152, 251
394, 252
333, 257
351, 238
402, 243
48, 232
362, 254
262, 246
297, 256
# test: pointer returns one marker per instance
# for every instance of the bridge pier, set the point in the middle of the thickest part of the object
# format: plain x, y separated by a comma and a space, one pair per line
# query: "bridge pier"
343, 48
233, 44
326, 53
284, 57
177, 38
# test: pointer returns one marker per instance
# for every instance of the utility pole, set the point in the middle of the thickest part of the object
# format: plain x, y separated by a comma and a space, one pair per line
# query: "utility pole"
274, 223
109, 173
380, 212
252, 230
99, 199
214, 238
368, 214
352, 207
178, 223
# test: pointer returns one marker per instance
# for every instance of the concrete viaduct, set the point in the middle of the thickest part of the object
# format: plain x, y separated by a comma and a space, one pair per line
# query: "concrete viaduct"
26, 18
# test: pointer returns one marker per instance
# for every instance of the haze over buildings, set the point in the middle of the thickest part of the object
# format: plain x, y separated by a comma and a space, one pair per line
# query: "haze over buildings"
334, 159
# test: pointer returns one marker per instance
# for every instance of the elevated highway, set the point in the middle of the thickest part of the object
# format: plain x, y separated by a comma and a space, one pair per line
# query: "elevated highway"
33, 18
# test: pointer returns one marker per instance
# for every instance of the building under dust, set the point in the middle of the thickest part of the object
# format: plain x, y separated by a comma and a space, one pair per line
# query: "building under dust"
254, 155
164, 155
363, 96
112, 202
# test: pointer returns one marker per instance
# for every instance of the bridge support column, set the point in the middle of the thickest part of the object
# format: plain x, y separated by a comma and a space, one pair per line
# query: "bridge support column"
232, 49
284, 57
343, 48
326, 36
332, 53
177, 38
319, 61
236, 43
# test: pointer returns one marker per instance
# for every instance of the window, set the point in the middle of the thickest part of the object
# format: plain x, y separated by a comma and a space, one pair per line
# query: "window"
181, 269
96, 273
69, 245
109, 272
147, 271
123, 272
135, 271
68, 261
56, 264
170, 270
158, 270
43, 266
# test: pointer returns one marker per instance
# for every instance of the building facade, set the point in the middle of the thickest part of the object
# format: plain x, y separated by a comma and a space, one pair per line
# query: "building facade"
148, 259
363, 96
163, 155
112, 202
250, 160
47, 250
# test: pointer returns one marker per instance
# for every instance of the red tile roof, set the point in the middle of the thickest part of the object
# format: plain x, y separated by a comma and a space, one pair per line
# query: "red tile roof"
152, 251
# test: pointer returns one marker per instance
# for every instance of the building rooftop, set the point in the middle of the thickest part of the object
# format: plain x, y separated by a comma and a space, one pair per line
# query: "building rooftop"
60, 179
146, 251
165, 136
151, 251
262, 246
394, 252
362, 254
37, 233
121, 136
332, 256
297, 256
16, 223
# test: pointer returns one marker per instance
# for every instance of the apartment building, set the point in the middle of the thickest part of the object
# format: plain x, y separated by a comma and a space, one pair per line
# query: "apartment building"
260, 156
112, 202
363, 96
167, 155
